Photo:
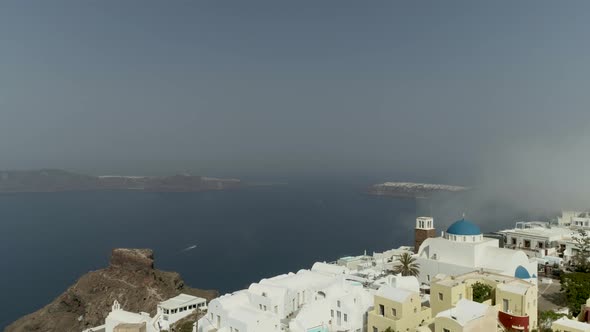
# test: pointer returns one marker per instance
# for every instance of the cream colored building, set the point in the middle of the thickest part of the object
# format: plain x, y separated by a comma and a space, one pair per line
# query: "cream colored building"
399, 309
515, 299
565, 324
467, 316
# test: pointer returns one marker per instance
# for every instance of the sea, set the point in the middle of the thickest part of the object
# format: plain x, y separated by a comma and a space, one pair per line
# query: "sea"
221, 240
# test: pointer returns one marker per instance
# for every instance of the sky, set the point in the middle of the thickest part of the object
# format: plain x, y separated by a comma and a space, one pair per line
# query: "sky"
461, 91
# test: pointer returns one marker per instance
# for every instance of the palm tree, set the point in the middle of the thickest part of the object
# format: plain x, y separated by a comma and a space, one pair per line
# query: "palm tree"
407, 265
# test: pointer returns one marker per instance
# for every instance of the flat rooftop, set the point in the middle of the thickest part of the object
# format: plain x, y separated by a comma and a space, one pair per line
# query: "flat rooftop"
451, 281
181, 300
540, 231
572, 323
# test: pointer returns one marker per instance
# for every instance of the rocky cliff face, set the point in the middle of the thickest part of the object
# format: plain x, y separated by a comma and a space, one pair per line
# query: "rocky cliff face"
130, 279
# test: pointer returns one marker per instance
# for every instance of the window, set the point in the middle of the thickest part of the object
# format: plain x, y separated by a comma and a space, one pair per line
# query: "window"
527, 243
541, 245
505, 305
415, 310
276, 309
260, 306
460, 296
338, 303
428, 277
381, 310
345, 317
332, 313
440, 296
393, 312
375, 329
446, 330
514, 241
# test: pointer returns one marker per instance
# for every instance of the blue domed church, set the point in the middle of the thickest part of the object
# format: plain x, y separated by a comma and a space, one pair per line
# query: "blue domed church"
462, 248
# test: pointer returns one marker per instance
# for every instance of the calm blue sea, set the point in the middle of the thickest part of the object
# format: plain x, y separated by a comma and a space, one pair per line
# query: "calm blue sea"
241, 236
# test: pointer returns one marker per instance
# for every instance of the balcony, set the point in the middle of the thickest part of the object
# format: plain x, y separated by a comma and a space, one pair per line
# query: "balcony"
513, 322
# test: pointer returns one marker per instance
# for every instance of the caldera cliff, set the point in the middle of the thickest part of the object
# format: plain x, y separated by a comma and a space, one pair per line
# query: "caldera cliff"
130, 279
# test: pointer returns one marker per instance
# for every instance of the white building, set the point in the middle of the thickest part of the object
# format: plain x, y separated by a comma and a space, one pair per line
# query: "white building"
549, 243
467, 316
168, 312
121, 320
537, 239
565, 324
325, 298
463, 249
176, 308
574, 219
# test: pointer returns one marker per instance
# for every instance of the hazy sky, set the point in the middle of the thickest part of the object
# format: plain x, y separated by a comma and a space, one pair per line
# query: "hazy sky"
431, 88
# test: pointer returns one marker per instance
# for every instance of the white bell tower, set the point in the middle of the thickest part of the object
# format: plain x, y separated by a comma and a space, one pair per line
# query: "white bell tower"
116, 306
424, 230
424, 223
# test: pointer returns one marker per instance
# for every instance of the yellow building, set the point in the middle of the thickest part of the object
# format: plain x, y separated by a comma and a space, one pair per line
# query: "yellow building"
565, 324
467, 316
514, 298
399, 309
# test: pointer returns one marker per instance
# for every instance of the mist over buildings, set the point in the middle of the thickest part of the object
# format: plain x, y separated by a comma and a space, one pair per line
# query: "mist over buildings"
489, 95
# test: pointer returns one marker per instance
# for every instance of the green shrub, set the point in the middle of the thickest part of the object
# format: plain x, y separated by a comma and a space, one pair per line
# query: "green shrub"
481, 292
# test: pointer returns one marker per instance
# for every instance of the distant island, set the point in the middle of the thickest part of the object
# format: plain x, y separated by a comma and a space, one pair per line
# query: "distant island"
53, 180
411, 189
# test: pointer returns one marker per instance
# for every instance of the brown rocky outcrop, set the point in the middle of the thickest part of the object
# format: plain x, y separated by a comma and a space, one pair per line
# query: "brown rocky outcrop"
130, 279
132, 259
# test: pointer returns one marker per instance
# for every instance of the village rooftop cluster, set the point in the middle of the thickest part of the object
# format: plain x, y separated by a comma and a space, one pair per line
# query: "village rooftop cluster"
460, 281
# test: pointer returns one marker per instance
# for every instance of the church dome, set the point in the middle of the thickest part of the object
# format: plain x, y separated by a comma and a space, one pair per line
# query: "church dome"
464, 227
521, 273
